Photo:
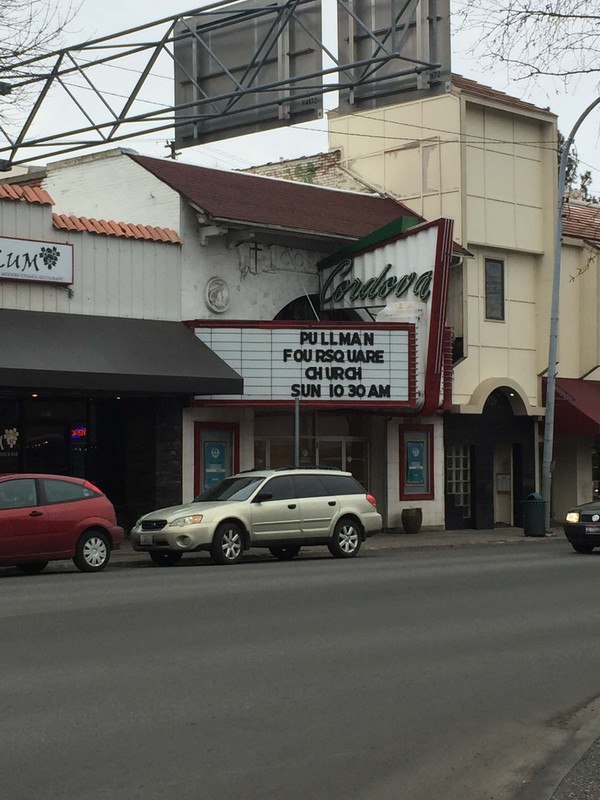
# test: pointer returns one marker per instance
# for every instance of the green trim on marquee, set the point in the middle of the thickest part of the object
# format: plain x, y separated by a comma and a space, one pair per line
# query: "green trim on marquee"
389, 231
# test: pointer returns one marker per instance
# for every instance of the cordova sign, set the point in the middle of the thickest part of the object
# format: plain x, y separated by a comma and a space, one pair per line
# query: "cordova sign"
403, 267
382, 269
38, 261
321, 364
340, 284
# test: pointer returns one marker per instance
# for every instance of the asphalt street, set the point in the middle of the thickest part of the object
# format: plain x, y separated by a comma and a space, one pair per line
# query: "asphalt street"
411, 672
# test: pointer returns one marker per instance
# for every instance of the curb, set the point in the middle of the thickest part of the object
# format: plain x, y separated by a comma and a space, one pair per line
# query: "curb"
560, 764
386, 542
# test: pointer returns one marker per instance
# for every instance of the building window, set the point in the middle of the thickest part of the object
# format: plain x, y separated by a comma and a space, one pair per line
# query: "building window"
458, 477
494, 289
416, 462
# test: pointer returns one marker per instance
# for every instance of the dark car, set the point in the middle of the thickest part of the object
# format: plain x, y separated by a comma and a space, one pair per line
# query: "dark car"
49, 517
582, 527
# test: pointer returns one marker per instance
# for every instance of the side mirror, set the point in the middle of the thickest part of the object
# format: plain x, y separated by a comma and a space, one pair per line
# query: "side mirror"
262, 496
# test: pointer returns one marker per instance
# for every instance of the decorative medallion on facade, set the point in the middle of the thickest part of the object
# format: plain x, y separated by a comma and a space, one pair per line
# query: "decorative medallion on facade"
217, 295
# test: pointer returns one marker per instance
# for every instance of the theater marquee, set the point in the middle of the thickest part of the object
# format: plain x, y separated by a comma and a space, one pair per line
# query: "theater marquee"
322, 364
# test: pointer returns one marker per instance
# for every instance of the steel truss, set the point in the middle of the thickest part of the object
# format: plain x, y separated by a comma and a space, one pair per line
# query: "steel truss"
120, 87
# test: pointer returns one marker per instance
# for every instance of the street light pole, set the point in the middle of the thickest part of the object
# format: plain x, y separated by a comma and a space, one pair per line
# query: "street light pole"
553, 347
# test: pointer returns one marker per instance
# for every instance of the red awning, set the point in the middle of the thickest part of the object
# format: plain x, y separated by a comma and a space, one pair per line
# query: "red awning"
577, 406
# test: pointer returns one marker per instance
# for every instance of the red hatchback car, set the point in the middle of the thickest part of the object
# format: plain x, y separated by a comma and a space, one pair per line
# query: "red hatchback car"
49, 517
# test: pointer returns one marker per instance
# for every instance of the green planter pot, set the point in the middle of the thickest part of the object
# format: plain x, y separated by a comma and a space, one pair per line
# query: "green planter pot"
412, 519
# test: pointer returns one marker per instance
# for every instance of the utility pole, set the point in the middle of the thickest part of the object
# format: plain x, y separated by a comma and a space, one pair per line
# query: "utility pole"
553, 347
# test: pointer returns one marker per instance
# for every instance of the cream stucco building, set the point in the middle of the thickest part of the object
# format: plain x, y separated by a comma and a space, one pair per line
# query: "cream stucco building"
489, 161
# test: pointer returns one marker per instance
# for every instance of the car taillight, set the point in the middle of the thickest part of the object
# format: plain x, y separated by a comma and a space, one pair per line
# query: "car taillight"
372, 500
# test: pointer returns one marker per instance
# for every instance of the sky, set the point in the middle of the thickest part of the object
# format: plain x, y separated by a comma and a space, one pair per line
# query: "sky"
95, 19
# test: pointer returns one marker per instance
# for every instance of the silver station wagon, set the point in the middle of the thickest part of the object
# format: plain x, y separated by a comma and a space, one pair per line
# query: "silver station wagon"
281, 510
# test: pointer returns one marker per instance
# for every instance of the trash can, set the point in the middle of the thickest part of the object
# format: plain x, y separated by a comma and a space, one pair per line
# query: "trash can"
534, 515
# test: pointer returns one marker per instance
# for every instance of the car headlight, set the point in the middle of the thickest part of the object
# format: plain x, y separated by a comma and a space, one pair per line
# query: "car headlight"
181, 522
573, 516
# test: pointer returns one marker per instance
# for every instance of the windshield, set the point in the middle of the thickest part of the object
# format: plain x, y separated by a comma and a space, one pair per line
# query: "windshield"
239, 488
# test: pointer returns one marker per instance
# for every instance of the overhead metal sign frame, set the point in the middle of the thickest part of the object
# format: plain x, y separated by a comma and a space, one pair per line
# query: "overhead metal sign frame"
239, 67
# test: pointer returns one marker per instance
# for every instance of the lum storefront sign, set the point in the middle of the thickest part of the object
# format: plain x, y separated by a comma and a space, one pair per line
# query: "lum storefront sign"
320, 364
38, 261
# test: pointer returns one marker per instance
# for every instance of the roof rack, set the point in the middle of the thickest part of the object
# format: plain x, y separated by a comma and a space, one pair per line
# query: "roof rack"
309, 466
286, 469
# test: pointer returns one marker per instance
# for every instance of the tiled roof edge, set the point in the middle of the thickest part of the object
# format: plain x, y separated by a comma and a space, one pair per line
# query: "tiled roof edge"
102, 227
25, 193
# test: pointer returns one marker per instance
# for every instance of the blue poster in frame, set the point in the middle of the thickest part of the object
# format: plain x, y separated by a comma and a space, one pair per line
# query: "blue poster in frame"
215, 463
415, 463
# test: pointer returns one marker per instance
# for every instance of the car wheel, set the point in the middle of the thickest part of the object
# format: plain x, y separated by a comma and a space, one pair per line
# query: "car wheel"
228, 544
285, 553
93, 552
32, 567
582, 547
167, 559
346, 540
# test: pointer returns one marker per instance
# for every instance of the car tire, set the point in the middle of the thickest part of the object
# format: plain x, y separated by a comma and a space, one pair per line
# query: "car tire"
286, 552
228, 544
32, 567
585, 548
93, 552
168, 558
346, 539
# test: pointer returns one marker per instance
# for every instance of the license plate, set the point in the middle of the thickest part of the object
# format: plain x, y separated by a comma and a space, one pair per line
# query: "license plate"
593, 529
146, 538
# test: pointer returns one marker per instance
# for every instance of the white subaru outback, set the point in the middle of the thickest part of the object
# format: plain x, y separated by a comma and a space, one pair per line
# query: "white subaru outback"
281, 510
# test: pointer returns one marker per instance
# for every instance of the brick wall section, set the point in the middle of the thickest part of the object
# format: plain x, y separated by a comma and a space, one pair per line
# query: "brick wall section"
168, 452
322, 169
140, 455
98, 186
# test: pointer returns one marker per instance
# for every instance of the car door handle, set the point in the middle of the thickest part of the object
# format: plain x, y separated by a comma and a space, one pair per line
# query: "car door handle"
36, 514
331, 503
292, 505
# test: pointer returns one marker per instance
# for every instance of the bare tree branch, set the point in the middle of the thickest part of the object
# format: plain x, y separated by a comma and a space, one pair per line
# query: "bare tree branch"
559, 38
29, 28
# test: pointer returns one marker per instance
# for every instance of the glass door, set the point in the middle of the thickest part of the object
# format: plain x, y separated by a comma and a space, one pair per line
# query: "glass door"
356, 460
330, 454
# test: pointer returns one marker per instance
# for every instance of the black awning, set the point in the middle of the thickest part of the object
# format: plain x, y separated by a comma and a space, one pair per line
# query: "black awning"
72, 352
